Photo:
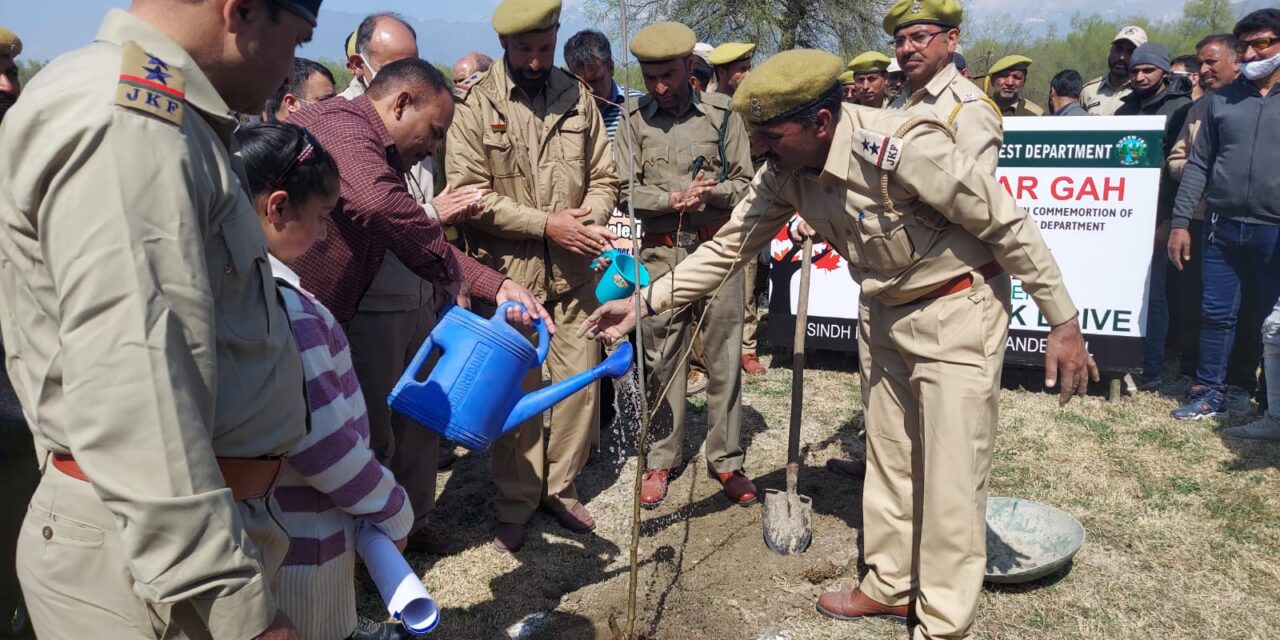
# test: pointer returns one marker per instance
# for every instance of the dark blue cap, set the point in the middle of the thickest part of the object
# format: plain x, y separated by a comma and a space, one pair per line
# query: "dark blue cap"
308, 9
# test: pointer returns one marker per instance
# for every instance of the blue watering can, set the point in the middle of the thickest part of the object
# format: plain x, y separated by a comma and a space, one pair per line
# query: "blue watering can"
618, 281
473, 394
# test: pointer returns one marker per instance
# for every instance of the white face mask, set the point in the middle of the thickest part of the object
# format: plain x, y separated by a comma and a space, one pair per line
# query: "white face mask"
1259, 69
373, 73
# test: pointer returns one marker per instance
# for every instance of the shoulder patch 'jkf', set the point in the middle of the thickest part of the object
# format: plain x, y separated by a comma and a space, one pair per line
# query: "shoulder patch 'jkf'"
150, 85
880, 150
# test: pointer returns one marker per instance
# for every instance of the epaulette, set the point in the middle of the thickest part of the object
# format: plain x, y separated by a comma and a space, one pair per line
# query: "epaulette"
970, 97
149, 85
1097, 80
462, 89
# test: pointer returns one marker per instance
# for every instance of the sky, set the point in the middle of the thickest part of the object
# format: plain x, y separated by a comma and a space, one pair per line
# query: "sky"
447, 29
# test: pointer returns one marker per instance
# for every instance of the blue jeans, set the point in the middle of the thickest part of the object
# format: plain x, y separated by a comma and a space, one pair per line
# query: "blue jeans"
1153, 343
1233, 251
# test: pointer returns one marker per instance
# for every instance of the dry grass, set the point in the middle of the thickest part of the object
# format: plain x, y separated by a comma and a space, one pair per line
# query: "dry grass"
1182, 532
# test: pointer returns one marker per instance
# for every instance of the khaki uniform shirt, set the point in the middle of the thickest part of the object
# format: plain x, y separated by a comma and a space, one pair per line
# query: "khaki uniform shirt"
666, 146
146, 336
1099, 98
1022, 107
955, 100
943, 217
540, 155
395, 287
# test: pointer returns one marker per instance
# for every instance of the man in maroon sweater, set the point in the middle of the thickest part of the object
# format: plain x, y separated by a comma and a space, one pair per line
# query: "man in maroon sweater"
374, 139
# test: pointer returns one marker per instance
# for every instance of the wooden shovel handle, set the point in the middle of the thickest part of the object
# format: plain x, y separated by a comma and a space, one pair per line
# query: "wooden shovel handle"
797, 355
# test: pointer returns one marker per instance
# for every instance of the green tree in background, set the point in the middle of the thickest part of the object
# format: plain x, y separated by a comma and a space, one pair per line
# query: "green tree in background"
844, 26
1085, 47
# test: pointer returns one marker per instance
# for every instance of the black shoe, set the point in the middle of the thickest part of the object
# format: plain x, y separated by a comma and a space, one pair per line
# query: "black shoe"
433, 540
367, 629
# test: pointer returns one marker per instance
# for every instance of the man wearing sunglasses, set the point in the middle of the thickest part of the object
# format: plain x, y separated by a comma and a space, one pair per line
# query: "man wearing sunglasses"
925, 34
1232, 165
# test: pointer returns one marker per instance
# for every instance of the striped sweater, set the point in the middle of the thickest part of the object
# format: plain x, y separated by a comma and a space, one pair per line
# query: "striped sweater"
332, 479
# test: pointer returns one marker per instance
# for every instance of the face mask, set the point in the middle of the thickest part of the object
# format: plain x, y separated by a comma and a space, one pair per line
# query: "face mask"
373, 73
1259, 69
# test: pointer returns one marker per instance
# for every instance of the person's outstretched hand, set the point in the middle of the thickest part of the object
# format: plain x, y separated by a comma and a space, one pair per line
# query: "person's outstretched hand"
611, 321
1067, 363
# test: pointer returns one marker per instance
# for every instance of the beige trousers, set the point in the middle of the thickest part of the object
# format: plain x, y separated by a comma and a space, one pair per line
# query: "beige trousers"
932, 374
528, 470
751, 310
75, 577
669, 335
382, 344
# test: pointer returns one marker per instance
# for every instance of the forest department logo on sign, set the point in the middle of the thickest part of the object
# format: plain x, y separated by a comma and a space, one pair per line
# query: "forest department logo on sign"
1132, 151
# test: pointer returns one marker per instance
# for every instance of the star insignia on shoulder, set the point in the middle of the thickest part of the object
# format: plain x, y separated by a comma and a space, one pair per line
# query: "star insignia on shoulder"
875, 148
156, 73
866, 145
156, 62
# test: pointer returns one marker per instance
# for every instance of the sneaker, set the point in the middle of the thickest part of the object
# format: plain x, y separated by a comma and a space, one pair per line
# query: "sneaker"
1239, 402
1206, 405
367, 629
697, 382
1176, 388
1265, 428
1152, 383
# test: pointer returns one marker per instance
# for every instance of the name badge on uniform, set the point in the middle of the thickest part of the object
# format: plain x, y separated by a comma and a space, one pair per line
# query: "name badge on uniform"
880, 150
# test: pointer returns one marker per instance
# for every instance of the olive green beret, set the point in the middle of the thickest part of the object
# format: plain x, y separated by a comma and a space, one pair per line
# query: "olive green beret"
786, 84
662, 41
869, 61
513, 17
905, 13
1009, 62
730, 52
10, 43
846, 77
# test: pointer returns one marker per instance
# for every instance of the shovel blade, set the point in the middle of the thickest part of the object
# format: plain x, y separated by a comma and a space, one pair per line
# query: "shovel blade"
788, 522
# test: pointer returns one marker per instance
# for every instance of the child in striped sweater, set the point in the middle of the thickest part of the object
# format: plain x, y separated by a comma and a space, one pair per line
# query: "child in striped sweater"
332, 480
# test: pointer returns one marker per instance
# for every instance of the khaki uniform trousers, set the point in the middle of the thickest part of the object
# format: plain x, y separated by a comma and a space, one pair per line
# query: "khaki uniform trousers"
526, 469
932, 374
382, 344
668, 336
75, 576
752, 285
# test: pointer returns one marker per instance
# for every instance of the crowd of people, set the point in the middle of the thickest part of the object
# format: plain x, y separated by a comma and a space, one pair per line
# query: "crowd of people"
204, 350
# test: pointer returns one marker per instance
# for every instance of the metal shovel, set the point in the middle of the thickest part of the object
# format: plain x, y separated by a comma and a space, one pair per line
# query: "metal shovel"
788, 517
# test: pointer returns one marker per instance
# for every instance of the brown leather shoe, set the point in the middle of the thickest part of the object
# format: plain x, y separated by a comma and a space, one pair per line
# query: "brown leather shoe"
737, 487
509, 536
855, 469
576, 519
751, 365
852, 605
654, 488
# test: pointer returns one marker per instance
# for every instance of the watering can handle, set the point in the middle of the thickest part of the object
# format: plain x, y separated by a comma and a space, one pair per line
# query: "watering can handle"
420, 358
544, 338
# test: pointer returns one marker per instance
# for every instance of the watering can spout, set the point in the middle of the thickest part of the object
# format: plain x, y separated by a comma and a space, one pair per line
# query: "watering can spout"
615, 366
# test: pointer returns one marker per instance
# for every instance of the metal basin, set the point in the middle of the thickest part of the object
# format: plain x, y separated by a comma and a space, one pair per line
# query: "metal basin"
1027, 540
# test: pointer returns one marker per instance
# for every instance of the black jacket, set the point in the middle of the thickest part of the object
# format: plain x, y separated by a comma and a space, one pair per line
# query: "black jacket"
1173, 101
